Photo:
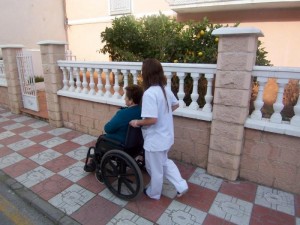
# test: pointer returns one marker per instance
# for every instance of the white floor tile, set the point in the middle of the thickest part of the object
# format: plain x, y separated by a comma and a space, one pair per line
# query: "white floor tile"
127, 217
21, 144
45, 156
200, 177
34, 176
275, 199
231, 209
178, 213
10, 160
74, 172
71, 199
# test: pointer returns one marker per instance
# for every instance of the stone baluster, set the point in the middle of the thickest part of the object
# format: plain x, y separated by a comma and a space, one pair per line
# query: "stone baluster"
125, 78
194, 96
135, 74
169, 77
181, 93
208, 97
116, 84
71, 80
107, 83
99, 85
259, 103
78, 82
65, 80
295, 121
84, 82
92, 83
278, 105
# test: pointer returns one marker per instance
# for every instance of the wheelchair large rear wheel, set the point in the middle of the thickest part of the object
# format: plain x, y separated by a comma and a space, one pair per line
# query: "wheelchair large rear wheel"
121, 175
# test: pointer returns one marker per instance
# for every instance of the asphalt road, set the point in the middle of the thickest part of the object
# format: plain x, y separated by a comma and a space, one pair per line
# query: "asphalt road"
14, 211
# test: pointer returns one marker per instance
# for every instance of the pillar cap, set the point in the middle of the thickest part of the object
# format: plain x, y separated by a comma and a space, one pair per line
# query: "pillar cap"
12, 46
52, 42
226, 31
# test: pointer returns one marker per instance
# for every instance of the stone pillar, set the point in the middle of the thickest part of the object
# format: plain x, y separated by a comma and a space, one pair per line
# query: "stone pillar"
51, 51
233, 87
9, 53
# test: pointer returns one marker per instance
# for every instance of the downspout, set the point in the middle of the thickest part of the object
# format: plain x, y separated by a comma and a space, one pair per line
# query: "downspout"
66, 24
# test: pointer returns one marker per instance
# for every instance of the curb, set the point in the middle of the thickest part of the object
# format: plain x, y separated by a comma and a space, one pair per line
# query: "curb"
55, 215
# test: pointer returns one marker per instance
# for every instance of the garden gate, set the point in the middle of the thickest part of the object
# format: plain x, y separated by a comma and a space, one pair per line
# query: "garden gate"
26, 76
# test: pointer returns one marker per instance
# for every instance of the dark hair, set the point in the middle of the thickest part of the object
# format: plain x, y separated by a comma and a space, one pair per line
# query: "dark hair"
153, 74
135, 93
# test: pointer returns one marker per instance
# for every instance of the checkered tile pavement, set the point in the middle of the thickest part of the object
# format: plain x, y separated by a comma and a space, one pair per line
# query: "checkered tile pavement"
49, 161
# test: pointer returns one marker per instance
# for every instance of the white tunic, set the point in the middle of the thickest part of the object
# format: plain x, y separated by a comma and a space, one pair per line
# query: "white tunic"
160, 136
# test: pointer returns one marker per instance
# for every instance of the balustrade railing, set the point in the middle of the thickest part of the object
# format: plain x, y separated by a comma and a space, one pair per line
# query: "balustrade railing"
3, 81
105, 81
271, 116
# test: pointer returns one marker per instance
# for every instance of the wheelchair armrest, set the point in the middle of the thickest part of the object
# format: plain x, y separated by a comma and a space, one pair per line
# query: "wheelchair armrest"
112, 141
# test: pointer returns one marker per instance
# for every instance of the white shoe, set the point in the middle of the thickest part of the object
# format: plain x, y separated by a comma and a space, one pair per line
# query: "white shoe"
182, 193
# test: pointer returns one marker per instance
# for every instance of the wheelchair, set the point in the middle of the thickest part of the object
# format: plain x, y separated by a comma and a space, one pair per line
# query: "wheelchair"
119, 165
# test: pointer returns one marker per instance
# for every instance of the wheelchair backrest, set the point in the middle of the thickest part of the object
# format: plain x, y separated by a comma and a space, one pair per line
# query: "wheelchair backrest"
134, 138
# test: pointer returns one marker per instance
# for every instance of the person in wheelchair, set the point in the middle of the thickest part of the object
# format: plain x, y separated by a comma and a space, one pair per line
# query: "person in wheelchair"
117, 127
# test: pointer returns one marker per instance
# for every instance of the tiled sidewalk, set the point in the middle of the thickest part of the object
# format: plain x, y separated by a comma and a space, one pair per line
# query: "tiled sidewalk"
49, 161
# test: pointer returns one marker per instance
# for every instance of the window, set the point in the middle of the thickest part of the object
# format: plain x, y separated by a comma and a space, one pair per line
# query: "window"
119, 7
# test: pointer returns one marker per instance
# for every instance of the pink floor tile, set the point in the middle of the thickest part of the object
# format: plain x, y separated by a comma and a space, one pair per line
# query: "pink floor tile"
46, 128
22, 130
148, 208
185, 169
265, 216
96, 211
11, 140
90, 183
240, 189
5, 151
32, 150
20, 168
66, 147
213, 220
60, 163
41, 138
51, 186
198, 197
71, 135
29, 122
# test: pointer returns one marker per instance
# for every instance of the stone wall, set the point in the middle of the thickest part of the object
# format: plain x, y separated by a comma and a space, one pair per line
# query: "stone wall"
85, 116
271, 159
4, 96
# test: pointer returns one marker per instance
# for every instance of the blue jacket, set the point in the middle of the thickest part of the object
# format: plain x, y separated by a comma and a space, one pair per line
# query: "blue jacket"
117, 127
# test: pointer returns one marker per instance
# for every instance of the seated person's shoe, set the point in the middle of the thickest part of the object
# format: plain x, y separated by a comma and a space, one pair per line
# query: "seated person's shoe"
90, 167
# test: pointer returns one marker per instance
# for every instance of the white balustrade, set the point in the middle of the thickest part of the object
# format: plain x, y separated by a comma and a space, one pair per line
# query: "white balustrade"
108, 90
275, 124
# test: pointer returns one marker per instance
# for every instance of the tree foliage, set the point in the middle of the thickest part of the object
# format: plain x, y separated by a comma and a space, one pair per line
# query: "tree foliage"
164, 38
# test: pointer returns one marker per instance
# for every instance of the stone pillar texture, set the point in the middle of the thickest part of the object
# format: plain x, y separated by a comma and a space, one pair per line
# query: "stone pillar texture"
236, 58
51, 51
9, 53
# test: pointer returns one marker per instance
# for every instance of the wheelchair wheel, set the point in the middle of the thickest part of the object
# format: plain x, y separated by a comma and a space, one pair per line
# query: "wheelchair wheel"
121, 175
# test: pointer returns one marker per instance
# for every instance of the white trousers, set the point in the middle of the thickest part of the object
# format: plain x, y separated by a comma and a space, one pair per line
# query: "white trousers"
159, 166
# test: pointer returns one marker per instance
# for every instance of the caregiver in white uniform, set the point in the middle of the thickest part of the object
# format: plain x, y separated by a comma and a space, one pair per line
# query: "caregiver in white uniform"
158, 103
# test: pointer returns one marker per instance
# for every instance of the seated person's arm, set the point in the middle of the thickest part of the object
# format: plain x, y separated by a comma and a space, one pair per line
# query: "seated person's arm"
113, 125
